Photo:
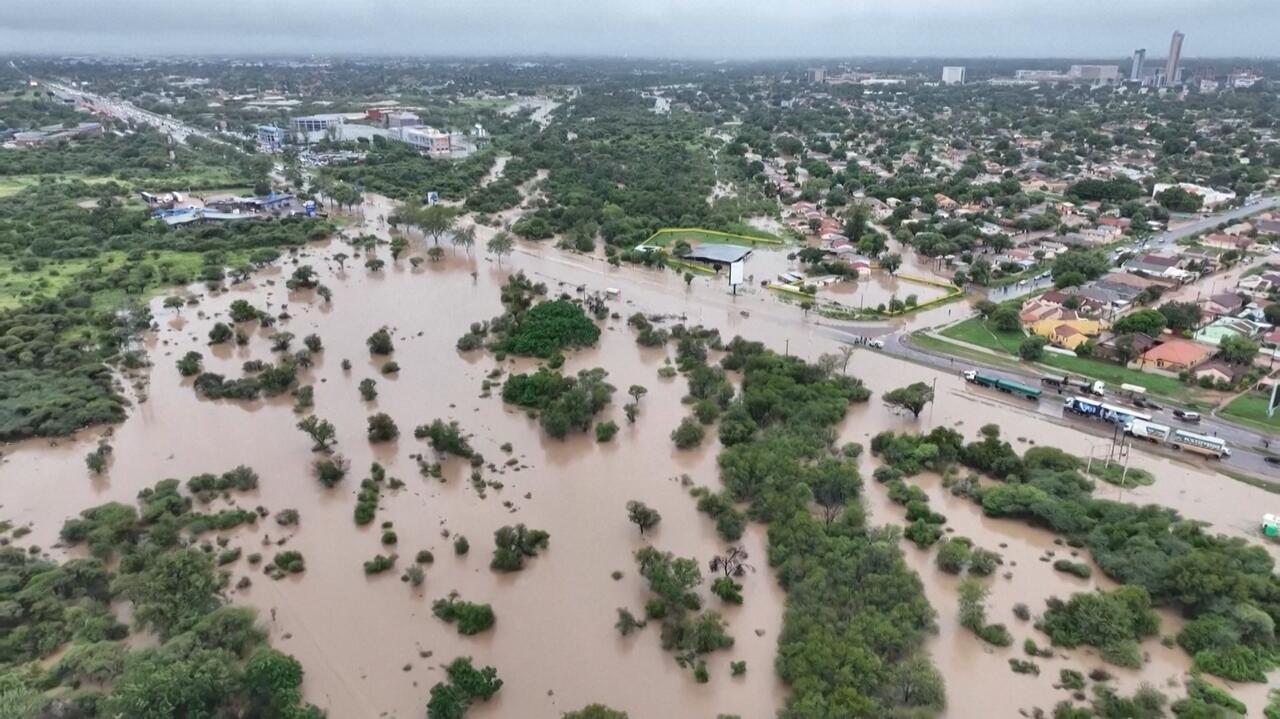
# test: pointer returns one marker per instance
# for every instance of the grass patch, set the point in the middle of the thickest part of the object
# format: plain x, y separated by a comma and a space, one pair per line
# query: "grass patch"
695, 236
1111, 473
18, 287
977, 332
1116, 375
1251, 409
925, 341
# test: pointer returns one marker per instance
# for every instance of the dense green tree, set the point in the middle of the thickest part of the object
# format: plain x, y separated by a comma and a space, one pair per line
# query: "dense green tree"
914, 397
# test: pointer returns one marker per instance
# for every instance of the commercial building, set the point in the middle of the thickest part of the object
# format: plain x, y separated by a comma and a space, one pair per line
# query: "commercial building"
313, 123
392, 120
1175, 56
953, 75
816, 75
1038, 75
1135, 70
271, 137
1094, 73
426, 139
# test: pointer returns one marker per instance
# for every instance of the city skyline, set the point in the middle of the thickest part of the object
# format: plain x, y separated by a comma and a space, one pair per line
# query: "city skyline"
660, 29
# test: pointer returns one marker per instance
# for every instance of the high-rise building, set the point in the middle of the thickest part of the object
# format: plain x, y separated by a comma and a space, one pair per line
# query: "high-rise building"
953, 75
817, 75
1135, 71
1175, 56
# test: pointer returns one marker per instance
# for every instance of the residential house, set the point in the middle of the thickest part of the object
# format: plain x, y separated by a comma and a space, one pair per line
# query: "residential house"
1223, 241
1176, 355
1086, 306
1066, 333
1269, 226
1223, 327
1128, 282
1208, 260
1155, 265
1218, 371
1106, 349
1039, 309
1120, 223
1260, 285
1223, 303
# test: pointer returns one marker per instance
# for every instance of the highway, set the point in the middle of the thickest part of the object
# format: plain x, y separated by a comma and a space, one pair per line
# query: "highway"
1248, 446
125, 110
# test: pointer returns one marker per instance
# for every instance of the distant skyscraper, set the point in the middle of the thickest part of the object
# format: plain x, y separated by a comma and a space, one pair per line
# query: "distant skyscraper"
817, 75
953, 75
1135, 72
1175, 55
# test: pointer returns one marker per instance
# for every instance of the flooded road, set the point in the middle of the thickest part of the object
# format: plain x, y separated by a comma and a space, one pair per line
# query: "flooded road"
370, 646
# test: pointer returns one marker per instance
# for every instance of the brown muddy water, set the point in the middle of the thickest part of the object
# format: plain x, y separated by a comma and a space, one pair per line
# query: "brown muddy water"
370, 645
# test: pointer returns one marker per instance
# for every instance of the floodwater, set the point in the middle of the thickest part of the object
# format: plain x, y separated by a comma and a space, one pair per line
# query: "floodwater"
370, 646
869, 290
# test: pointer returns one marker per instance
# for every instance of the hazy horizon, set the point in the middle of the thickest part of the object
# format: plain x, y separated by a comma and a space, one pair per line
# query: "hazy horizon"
658, 29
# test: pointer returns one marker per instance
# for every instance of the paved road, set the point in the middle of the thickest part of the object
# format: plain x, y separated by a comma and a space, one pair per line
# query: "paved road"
125, 110
1246, 444
1236, 213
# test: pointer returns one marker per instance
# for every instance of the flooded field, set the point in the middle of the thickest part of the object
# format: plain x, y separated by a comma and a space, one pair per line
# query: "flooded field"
370, 645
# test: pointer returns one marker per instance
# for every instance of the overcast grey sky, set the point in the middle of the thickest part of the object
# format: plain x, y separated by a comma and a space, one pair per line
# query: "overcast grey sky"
651, 28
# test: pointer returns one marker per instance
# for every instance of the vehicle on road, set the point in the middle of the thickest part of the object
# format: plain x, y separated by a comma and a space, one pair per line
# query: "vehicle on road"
1102, 411
1078, 384
1185, 416
1200, 444
1272, 460
878, 344
1150, 431
1001, 384
1145, 403
1178, 438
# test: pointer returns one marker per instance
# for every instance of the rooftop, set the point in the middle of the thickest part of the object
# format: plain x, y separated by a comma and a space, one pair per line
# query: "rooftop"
718, 254
1178, 351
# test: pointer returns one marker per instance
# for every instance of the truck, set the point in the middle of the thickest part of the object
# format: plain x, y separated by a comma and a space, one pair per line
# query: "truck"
1150, 431
1211, 447
1001, 384
1055, 381
1098, 388
1102, 411
1078, 384
1134, 391
1177, 438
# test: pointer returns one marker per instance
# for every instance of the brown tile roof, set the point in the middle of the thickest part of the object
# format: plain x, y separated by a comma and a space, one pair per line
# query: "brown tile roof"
1178, 351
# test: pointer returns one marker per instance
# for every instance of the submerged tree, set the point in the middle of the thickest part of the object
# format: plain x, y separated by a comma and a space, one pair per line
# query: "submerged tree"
321, 432
642, 515
913, 397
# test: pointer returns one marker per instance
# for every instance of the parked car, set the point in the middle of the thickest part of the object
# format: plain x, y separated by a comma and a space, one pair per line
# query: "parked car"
1192, 417
1146, 403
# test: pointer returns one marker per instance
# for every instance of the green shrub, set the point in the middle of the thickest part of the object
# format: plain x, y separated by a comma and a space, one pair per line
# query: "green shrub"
471, 618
